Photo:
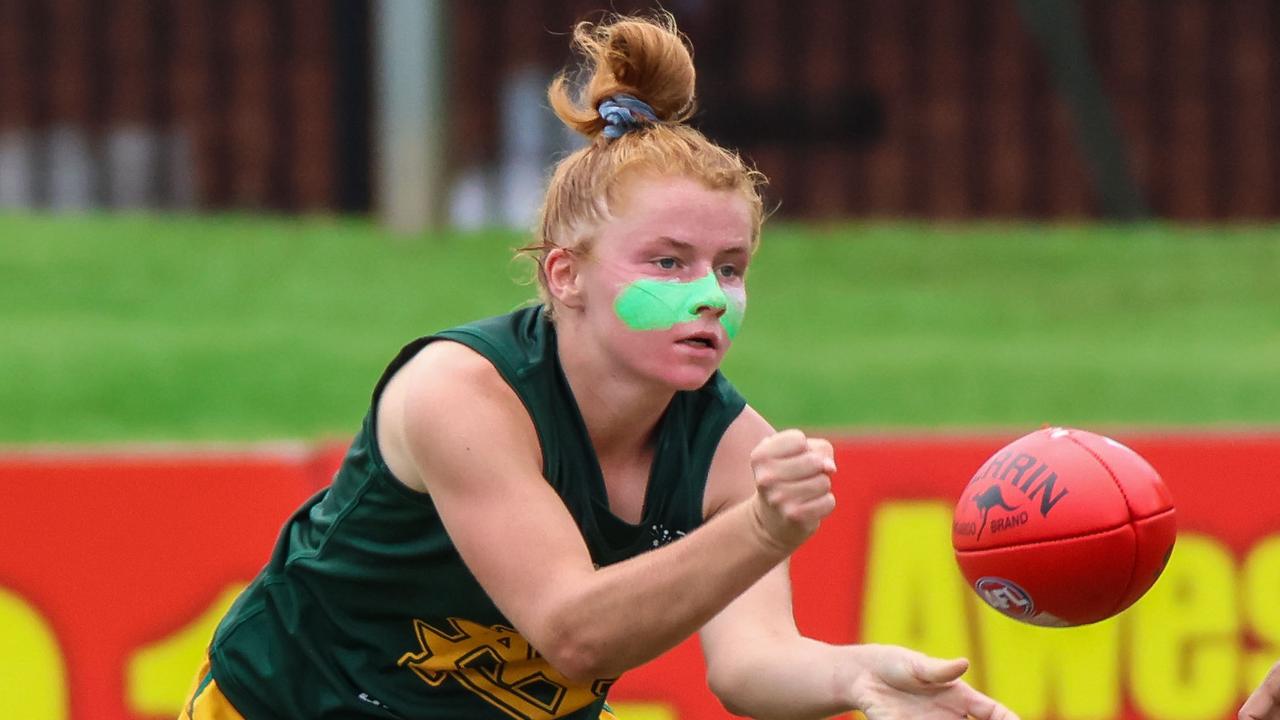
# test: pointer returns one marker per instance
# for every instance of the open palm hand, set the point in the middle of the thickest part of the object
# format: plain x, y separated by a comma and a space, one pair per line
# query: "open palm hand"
902, 684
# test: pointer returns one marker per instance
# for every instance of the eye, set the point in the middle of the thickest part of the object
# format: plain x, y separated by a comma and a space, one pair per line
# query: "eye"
728, 271
667, 263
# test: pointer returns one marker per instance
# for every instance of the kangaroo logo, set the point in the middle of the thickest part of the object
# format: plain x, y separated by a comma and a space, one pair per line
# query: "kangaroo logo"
988, 499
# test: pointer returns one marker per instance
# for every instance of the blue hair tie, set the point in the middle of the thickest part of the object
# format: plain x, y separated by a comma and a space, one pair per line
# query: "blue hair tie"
623, 113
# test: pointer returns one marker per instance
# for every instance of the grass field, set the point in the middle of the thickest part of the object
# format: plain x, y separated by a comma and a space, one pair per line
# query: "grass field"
236, 328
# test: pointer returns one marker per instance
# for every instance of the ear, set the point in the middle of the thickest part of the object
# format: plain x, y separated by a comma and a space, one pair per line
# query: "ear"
561, 268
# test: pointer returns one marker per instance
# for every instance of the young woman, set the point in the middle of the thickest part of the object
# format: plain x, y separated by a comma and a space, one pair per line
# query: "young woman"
541, 501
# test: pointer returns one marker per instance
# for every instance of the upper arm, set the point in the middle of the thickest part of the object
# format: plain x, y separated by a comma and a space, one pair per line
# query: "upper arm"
765, 608
460, 433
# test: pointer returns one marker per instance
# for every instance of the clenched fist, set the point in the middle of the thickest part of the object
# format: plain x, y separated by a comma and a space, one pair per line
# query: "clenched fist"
793, 486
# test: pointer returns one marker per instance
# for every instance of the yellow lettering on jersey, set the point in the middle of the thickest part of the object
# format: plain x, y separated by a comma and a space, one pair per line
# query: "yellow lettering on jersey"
1051, 672
644, 711
158, 676
497, 664
1260, 590
1185, 636
33, 676
914, 594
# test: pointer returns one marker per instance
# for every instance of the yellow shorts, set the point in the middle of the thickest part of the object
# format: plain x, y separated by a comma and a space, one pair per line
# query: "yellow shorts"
206, 701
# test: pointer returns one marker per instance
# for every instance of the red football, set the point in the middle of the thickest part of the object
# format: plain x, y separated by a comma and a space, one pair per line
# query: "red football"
1063, 527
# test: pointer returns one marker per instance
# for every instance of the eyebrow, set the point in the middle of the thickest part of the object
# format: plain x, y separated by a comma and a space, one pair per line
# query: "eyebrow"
678, 244
682, 245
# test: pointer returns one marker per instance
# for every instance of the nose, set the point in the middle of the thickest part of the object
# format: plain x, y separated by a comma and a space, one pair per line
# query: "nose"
716, 306
706, 295
711, 299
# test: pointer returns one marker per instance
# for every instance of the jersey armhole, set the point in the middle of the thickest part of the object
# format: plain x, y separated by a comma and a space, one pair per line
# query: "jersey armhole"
481, 346
734, 409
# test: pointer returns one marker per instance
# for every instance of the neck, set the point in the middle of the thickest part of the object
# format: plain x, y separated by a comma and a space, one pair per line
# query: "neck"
620, 412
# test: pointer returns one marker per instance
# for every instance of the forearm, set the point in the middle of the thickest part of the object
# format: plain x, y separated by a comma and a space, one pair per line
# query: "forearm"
795, 678
629, 613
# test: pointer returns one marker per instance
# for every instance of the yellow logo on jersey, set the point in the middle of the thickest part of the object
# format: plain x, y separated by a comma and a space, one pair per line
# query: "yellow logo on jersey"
497, 664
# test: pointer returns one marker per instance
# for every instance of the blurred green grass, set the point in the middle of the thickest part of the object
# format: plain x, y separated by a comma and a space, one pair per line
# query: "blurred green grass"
143, 328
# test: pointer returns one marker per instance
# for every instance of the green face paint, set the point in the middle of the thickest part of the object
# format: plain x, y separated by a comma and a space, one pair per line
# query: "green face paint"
662, 304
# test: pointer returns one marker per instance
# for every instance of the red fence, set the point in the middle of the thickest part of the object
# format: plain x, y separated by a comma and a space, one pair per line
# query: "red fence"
115, 567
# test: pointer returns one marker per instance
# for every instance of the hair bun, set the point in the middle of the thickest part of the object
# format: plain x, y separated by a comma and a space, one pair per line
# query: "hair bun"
645, 58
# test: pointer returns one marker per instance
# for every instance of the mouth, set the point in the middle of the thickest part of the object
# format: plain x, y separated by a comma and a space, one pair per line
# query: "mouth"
702, 340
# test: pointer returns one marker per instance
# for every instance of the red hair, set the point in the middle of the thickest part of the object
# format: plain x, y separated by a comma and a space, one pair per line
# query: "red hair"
649, 60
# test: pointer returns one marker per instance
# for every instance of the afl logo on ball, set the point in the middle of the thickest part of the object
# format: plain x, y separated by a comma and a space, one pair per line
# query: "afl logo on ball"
1005, 596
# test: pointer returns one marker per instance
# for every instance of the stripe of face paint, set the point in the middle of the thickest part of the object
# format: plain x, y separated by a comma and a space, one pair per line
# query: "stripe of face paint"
663, 304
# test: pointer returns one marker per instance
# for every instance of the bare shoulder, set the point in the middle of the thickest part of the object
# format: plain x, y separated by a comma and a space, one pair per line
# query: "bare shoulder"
449, 396
729, 480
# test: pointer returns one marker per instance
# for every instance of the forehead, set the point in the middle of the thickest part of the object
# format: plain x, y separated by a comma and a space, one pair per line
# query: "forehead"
681, 209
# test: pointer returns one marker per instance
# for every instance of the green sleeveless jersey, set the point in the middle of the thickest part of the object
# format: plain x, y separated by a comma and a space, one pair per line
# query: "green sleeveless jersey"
365, 608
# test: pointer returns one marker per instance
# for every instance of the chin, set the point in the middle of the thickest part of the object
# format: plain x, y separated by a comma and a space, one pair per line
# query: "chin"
674, 370
687, 378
